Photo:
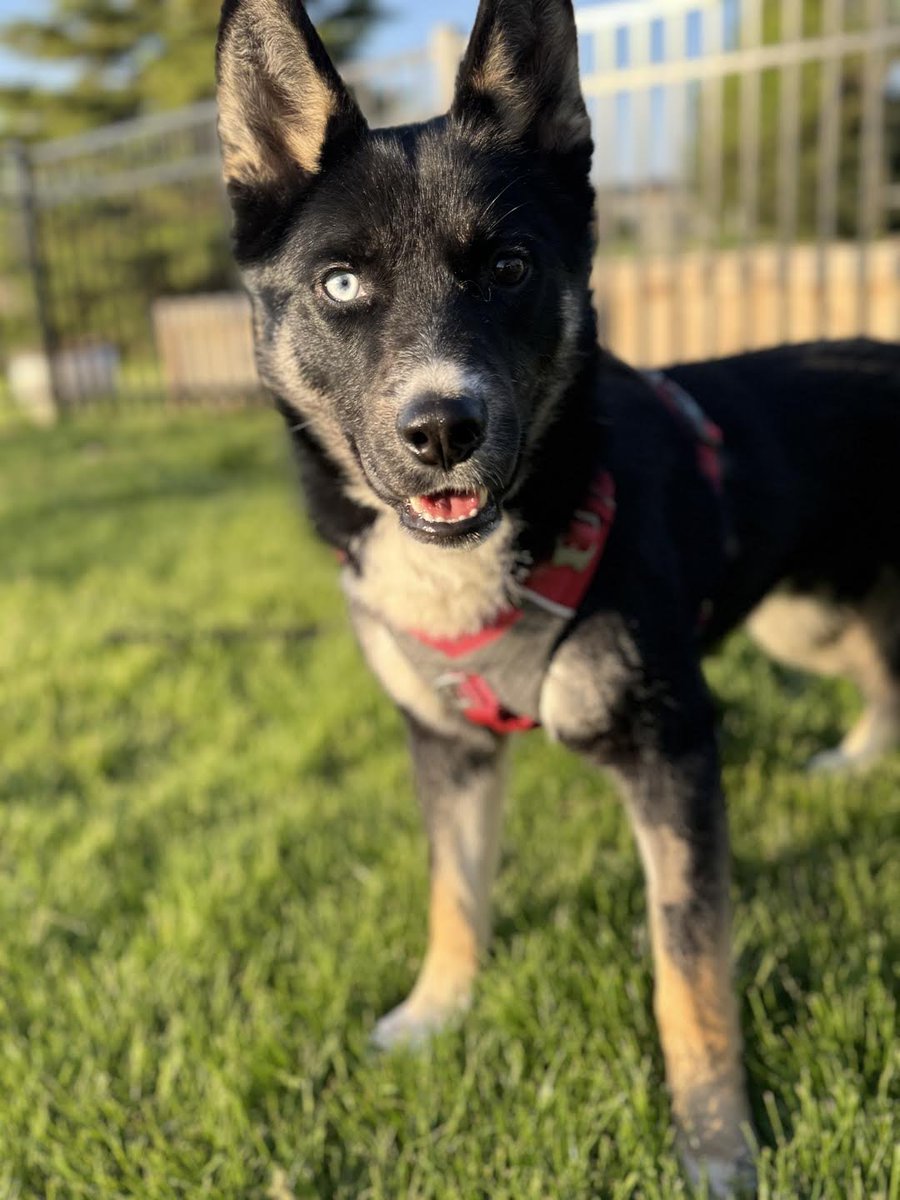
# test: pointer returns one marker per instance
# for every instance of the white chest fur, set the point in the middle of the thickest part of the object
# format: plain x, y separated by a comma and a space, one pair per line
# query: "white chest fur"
442, 592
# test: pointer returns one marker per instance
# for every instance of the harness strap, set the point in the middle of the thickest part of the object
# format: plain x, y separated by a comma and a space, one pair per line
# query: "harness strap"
708, 435
557, 586
561, 584
480, 704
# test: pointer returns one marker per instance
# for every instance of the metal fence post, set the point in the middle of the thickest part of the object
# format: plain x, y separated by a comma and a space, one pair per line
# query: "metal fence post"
445, 49
25, 196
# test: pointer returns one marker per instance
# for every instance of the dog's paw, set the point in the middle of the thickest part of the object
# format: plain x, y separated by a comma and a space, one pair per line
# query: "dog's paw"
414, 1022
724, 1179
830, 762
841, 762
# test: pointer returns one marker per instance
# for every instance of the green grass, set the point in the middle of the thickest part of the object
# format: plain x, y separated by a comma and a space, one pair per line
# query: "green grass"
212, 881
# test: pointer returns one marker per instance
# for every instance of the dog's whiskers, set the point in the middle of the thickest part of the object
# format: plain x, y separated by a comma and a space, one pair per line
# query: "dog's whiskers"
512, 212
496, 200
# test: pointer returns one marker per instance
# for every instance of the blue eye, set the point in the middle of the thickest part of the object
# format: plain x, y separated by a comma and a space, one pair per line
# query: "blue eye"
342, 286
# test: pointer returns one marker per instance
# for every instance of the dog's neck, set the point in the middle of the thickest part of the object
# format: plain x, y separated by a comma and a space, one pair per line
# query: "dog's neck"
449, 593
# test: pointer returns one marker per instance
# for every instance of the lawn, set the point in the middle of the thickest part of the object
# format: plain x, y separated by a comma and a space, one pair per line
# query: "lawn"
212, 881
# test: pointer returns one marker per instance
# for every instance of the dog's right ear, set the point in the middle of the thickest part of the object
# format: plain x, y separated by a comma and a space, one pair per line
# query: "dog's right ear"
520, 74
281, 100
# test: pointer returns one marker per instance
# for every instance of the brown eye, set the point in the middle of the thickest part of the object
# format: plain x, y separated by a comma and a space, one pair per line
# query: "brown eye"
509, 270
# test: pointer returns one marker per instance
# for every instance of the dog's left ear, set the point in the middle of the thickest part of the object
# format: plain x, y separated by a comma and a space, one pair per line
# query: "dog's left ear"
520, 71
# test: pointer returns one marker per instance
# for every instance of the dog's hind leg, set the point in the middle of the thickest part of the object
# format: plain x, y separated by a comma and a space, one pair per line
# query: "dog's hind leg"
861, 643
459, 780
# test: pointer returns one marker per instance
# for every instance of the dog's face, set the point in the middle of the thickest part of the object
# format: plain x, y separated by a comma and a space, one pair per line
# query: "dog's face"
420, 294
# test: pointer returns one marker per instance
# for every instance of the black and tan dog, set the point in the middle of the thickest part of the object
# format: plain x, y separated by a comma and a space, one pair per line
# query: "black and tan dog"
532, 532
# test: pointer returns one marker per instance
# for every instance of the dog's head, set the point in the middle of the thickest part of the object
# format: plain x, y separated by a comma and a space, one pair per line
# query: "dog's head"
420, 294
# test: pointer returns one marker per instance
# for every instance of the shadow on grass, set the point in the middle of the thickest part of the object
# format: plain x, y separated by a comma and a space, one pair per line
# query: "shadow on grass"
52, 539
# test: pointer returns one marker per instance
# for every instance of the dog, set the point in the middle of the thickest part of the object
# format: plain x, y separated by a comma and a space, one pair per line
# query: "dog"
532, 533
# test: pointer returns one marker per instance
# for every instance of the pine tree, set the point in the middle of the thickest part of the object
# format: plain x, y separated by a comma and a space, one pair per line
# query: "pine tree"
122, 58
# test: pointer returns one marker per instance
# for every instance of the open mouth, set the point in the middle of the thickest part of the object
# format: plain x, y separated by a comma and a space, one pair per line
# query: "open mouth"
450, 515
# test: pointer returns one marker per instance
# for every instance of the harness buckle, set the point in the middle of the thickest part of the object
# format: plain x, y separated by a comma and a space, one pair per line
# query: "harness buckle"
477, 701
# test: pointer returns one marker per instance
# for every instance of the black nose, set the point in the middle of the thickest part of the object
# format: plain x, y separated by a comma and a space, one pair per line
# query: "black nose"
442, 432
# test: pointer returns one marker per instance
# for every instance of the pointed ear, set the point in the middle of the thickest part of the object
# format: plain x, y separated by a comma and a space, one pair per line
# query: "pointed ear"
521, 71
280, 97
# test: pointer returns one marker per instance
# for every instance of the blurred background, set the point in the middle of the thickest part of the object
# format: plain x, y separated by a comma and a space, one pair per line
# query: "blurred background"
212, 873
748, 169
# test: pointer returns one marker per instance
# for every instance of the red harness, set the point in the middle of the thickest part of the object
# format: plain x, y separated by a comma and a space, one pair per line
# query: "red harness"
560, 585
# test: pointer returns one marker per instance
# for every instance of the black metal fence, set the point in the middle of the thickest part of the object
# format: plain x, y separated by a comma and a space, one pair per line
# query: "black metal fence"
116, 280
748, 172
116, 277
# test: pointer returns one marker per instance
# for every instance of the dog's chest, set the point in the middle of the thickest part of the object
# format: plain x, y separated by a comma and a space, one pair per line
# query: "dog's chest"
438, 592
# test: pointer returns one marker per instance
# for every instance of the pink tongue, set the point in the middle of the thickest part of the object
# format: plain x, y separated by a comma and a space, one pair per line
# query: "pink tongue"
453, 506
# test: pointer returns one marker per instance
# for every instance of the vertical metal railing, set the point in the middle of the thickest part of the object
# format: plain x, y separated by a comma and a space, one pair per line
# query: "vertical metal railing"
788, 155
871, 170
829, 160
775, 200
750, 39
25, 200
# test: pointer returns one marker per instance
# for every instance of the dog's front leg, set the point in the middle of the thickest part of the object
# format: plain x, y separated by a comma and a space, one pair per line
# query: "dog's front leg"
678, 815
649, 719
459, 779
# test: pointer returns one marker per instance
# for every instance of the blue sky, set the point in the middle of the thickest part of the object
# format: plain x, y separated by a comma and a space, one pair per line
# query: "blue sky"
406, 27
12, 71
410, 22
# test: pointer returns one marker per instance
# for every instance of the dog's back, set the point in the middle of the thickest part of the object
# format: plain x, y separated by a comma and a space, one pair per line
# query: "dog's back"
814, 432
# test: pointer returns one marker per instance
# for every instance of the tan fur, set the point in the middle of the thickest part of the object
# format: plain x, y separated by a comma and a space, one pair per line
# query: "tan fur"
465, 850
454, 941
695, 1009
697, 1019
667, 863
465, 845
274, 107
316, 410
828, 639
427, 588
702, 1046
560, 126
498, 75
804, 632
